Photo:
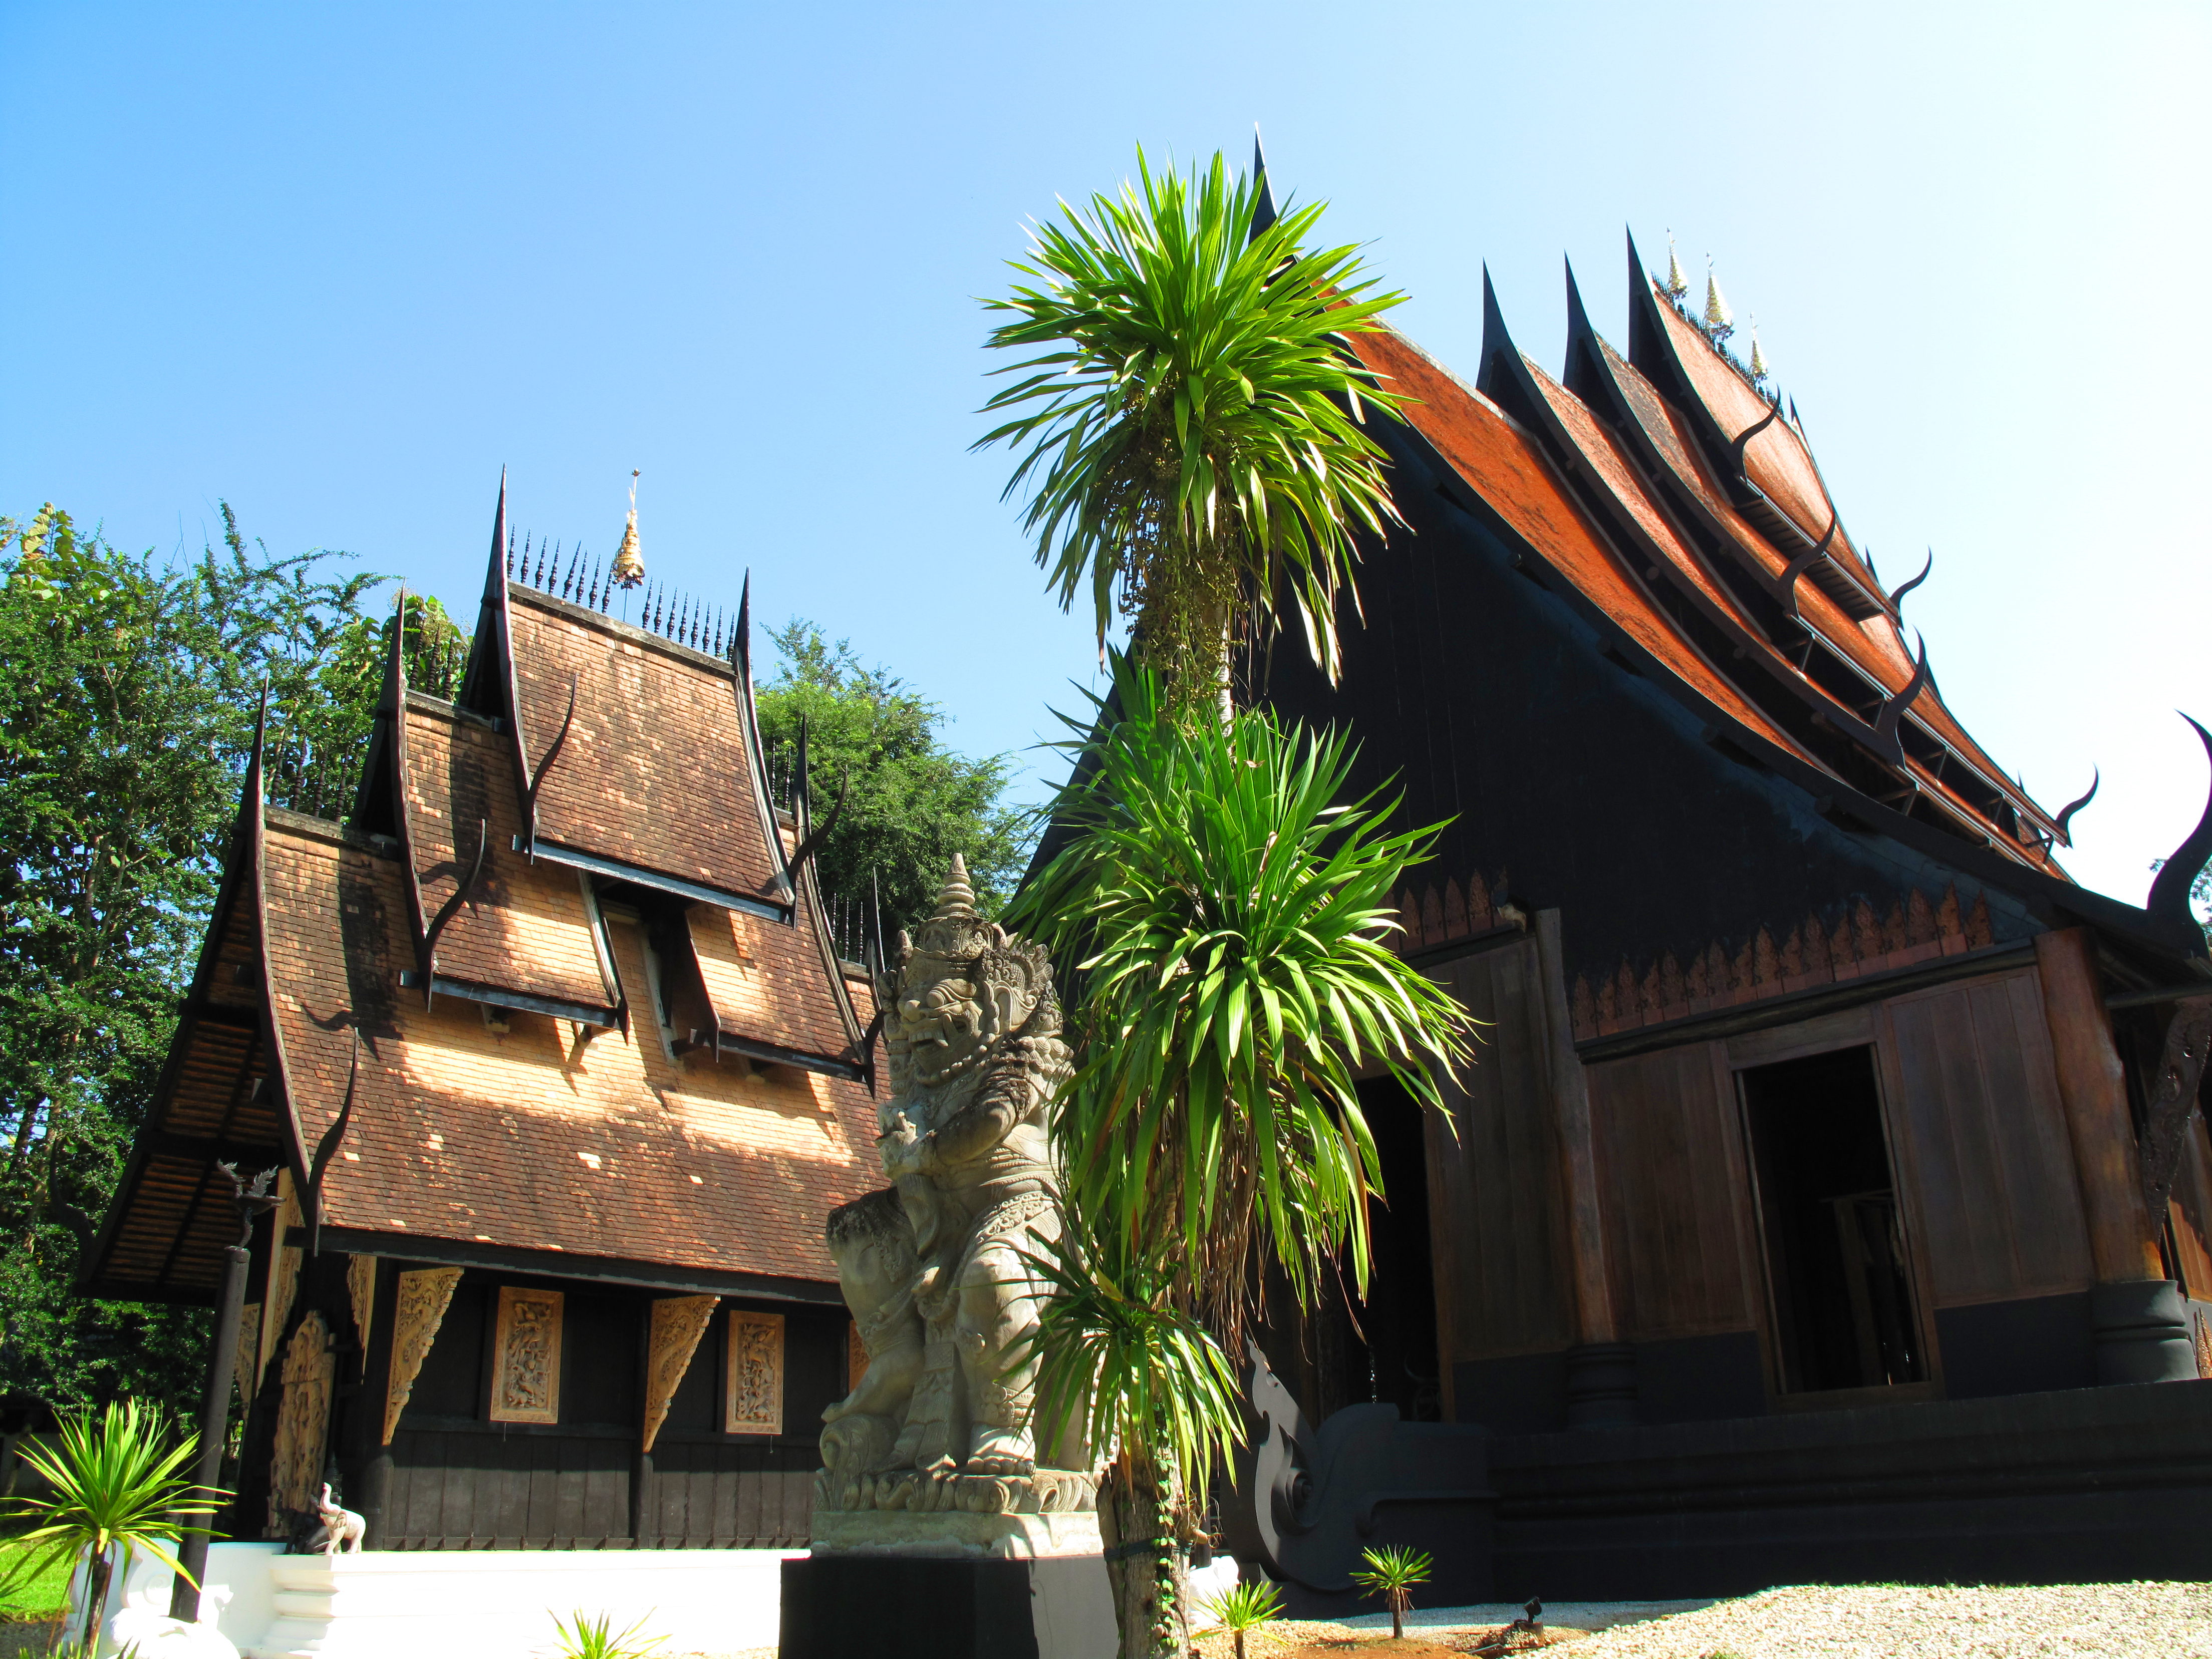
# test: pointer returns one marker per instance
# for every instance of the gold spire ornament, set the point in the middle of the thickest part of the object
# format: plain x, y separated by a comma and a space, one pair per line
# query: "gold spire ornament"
1720, 321
1677, 283
1759, 368
629, 564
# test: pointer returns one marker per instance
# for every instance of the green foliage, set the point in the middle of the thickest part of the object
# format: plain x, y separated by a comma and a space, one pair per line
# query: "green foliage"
597, 1638
1190, 420
1117, 1352
1246, 1606
38, 1591
911, 802
1232, 923
127, 699
116, 1487
1391, 1572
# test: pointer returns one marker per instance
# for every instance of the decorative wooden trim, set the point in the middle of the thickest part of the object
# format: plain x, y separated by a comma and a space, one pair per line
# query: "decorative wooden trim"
245, 1364
283, 1282
678, 1322
361, 1291
1857, 945
295, 1466
1441, 915
424, 1296
752, 1401
2204, 1344
526, 1357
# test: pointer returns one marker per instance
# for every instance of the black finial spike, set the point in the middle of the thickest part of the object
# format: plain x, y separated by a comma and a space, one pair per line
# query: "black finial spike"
2065, 818
591, 596
717, 646
576, 559
1897, 598
2169, 893
741, 636
1263, 205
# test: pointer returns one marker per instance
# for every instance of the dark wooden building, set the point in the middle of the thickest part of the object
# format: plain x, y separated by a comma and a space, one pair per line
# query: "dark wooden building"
551, 1044
1830, 1158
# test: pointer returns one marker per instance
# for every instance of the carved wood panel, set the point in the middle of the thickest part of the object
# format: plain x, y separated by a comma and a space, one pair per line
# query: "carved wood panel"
423, 1296
525, 1361
753, 1397
296, 1468
246, 1364
678, 1322
283, 1282
361, 1291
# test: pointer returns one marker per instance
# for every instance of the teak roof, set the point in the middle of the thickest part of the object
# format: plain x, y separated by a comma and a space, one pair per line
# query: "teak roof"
1667, 491
553, 999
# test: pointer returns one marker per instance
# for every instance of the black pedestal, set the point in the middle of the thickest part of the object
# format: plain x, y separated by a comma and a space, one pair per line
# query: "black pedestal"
841, 1607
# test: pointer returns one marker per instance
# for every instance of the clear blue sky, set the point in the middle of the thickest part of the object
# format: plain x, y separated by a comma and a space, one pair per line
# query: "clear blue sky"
339, 264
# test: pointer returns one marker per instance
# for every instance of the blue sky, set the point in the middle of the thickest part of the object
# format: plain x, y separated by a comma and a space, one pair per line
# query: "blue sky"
339, 264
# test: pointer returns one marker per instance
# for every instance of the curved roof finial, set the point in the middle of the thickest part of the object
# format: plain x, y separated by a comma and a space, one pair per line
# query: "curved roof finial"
629, 564
2065, 818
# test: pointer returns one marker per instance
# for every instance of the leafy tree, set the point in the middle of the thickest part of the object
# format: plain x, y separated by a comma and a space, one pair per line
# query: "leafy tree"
911, 802
1191, 423
128, 692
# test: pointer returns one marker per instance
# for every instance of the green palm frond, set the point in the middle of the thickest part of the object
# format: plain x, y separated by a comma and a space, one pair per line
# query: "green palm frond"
1190, 423
1243, 1607
114, 1484
1393, 1570
1229, 921
597, 1638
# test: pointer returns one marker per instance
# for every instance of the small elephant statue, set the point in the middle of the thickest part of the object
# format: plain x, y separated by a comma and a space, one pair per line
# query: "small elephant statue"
342, 1527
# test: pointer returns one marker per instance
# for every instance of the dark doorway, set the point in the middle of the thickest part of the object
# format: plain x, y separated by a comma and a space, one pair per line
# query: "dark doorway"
1391, 1357
1836, 1263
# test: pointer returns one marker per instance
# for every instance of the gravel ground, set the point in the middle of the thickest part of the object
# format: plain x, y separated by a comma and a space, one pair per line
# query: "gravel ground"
2127, 1621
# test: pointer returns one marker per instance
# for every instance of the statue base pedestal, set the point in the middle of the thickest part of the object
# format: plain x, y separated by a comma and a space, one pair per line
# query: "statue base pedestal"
947, 1606
955, 1536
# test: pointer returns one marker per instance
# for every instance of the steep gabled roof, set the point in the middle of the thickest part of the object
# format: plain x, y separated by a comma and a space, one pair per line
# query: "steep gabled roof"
564, 990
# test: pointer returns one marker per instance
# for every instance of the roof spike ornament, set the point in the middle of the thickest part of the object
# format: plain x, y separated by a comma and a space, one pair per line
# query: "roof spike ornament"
1720, 321
1759, 368
629, 564
1677, 284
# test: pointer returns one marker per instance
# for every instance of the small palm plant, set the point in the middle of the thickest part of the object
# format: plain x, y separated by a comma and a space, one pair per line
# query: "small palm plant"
114, 1487
1245, 1607
1391, 1572
597, 1638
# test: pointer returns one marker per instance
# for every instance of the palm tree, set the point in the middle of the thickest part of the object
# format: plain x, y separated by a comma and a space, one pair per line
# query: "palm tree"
115, 1487
1245, 1607
1229, 921
1190, 422
1391, 1572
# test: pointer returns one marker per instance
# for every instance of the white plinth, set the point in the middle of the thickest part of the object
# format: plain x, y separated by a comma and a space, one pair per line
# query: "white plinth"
501, 1604
955, 1534
234, 1602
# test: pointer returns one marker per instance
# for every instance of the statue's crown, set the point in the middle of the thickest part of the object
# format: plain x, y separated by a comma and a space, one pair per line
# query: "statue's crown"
953, 929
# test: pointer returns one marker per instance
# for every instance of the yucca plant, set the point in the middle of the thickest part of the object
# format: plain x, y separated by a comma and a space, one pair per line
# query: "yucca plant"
589, 1637
1229, 919
1190, 423
1116, 1350
1391, 1572
114, 1487
1246, 1607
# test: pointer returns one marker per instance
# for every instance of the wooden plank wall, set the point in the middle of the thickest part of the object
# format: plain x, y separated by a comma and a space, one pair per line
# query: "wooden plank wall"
563, 1489
1671, 1165
1979, 1132
1494, 1195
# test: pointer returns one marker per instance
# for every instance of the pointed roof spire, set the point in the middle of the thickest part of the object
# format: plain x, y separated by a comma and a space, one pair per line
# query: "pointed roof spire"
1263, 203
496, 576
629, 565
1720, 321
1677, 284
956, 900
1759, 370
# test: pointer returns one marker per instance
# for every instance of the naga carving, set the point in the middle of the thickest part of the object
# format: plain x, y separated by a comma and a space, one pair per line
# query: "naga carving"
936, 1268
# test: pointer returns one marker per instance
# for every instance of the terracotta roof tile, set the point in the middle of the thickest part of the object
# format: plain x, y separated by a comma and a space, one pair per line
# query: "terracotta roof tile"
524, 927
765, 979
1503, 465
654, 772
545, 1138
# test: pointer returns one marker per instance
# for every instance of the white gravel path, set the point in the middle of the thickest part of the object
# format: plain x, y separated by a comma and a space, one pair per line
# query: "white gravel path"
2126, 1621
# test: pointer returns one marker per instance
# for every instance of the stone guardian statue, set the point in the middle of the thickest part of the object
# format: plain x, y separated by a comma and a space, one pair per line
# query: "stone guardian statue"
936, 1267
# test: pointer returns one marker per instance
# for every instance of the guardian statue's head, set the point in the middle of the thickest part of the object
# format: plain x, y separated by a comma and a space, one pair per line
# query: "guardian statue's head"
960, 990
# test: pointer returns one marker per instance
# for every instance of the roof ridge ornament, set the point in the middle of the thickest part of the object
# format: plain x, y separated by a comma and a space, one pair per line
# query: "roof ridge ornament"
1720, 321
1897, 595
1760, 371
1676, 284
2169, 893
1263, 193
629, 564
2066, 813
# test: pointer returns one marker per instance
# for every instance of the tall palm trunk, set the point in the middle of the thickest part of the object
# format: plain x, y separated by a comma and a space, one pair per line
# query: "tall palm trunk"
1135, 1524
98, 1568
